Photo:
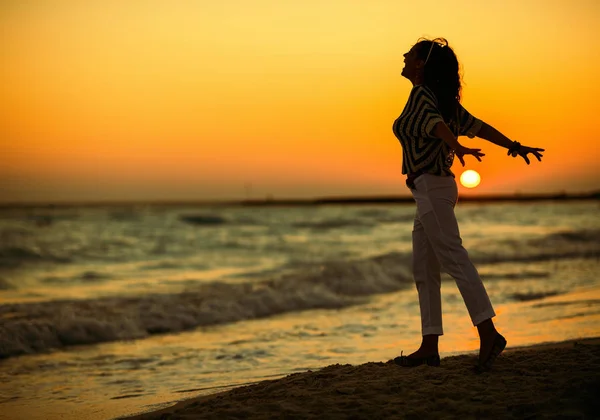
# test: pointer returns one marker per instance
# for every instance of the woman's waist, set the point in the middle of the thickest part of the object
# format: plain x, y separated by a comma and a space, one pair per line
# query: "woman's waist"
412, 176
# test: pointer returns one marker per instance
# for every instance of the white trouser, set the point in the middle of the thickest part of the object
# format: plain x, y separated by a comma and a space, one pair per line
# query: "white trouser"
437, 245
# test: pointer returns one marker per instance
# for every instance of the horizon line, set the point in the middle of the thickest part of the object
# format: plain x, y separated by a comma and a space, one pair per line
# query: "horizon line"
269, 201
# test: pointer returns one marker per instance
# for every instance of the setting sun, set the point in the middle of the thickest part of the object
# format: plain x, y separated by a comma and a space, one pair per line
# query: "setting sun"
470, 178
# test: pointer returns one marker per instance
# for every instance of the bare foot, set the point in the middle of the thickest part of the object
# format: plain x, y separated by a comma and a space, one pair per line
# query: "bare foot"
492, 344
425, 355
429, 347
424, 352
486, 343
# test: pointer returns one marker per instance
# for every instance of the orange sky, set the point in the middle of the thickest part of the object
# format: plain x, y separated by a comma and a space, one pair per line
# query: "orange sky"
142, 99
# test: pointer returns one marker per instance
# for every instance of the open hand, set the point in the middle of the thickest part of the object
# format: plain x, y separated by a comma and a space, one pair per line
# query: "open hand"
466, 151
524, 151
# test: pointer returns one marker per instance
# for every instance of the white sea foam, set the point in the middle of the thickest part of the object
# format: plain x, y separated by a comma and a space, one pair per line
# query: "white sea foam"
37, 327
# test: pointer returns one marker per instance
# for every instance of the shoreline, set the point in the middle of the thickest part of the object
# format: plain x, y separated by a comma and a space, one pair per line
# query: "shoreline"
546, 379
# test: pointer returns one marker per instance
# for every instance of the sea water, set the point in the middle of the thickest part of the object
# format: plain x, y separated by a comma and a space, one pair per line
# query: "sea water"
108, 311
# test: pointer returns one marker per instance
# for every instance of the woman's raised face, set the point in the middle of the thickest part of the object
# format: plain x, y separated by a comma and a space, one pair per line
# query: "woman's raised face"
411, 63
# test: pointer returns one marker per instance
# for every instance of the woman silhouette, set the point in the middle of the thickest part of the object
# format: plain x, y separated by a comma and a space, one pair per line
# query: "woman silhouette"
428, 129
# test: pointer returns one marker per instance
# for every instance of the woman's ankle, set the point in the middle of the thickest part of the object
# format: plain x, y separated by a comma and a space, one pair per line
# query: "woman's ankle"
430, 343
486, 327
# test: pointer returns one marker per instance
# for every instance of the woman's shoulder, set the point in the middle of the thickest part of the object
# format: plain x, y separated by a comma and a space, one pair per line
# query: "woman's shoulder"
422, 91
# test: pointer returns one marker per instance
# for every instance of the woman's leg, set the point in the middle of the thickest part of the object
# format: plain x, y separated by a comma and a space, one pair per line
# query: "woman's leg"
435, 204
426, 272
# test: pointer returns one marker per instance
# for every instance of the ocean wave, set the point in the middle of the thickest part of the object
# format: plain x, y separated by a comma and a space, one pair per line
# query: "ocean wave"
84, 277
518, 275
331, 224
5, 284
14, 233
526, 297
126, 215
203, 219
37, 327
554, 246
526, 257
14, 256
385, 216
162, 265
93, 276
42, 220
577, 236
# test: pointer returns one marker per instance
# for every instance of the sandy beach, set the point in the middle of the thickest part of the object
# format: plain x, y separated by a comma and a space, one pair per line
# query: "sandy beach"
556, 380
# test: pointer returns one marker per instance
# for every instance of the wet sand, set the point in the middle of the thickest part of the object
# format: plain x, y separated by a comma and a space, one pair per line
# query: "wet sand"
556, 380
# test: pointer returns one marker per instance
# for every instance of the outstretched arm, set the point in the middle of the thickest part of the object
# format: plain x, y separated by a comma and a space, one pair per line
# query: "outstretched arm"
489, 133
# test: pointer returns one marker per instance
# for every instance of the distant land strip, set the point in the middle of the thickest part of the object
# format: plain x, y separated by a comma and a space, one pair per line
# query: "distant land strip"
408, 199
310, 202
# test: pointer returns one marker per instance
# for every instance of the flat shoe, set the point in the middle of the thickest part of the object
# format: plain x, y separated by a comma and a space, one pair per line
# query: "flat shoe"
406, 361
497, 348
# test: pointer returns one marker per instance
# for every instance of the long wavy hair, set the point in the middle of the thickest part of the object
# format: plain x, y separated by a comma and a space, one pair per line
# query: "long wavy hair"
441, 74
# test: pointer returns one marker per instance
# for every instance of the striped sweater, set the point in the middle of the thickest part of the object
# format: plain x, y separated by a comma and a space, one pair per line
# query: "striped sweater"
421, 151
